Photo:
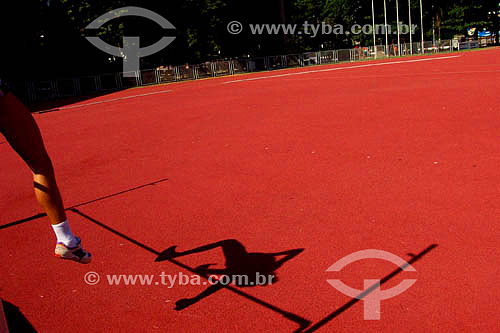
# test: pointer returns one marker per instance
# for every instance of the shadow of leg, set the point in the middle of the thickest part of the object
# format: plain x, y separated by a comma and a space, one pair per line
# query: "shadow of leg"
186, 302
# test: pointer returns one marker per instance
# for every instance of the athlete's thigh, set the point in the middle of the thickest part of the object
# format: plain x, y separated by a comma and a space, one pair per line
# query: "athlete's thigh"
21, 131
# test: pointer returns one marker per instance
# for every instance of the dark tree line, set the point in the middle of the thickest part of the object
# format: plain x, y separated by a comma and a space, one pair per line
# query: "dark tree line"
45, 38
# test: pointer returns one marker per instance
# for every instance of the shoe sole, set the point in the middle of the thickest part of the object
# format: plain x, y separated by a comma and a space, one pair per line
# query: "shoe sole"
75, 258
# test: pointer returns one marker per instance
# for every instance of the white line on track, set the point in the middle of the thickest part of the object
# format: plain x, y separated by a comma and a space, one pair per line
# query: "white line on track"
106, 101
403, 75
338, 69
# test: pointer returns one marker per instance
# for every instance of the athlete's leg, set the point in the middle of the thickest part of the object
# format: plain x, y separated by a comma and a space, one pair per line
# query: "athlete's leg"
22, 133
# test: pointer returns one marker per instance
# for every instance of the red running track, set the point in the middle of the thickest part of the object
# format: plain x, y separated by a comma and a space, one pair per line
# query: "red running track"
393, 155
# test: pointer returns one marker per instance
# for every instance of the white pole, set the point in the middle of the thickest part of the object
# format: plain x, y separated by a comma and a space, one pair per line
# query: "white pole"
386, 32
397, 19
411, 27
373, 24
422, 26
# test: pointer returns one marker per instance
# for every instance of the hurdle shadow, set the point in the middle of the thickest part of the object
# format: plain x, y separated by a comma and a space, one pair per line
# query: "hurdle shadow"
16, 321
243, 269
230, 246
42, 188
414, 258
236, 258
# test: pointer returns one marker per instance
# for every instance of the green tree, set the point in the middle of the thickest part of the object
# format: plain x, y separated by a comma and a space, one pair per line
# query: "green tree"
463, 14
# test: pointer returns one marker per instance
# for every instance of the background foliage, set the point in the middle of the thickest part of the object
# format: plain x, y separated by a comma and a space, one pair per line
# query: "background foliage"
45, 38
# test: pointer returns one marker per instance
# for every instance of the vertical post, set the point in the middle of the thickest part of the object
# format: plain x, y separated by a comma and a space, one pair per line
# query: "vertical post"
138, 79
397, 19
386, 32
496, 13
157, 76
411, 27
433, 29
118, 80
177, 73
54, 89
373, 25
422, 26
76, 84
98, 83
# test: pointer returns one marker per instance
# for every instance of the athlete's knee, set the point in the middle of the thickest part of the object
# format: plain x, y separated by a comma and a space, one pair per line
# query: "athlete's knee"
41, 165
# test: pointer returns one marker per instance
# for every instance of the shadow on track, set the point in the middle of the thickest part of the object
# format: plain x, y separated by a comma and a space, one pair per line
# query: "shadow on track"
236, 259
231, 245
241, 262
243, 269
339, 311
16, 321
40, 215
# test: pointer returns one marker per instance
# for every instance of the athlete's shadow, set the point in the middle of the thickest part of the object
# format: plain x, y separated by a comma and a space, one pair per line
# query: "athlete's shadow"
243, 269
16, 321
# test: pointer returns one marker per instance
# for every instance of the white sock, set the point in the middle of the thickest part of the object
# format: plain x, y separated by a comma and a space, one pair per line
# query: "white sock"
64, 234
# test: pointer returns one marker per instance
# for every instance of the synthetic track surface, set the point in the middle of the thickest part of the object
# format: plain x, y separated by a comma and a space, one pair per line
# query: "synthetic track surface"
399, 157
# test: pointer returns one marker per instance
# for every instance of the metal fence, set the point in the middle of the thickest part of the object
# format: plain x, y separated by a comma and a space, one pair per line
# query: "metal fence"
36, 91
